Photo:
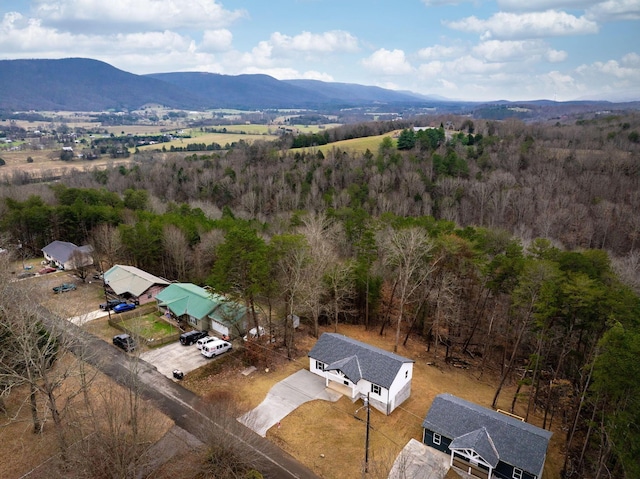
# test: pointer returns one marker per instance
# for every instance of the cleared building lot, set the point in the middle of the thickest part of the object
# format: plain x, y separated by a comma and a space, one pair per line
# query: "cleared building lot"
175, 356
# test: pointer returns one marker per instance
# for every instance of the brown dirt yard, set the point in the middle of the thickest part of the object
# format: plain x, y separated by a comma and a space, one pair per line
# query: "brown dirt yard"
327, 437
324, 436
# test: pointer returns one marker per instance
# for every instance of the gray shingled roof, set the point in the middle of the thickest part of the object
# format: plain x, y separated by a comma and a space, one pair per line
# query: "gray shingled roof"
350, 367
358, 360
517, 443
480, 441
63, 250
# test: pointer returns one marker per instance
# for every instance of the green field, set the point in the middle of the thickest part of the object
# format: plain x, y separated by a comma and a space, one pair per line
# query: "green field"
234, 133
356, 145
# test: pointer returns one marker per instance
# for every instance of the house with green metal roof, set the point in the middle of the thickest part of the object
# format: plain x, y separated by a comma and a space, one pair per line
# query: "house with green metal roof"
203, 309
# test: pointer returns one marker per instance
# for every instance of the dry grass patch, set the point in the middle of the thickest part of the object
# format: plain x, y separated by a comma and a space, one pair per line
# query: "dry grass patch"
321, 427
24, 451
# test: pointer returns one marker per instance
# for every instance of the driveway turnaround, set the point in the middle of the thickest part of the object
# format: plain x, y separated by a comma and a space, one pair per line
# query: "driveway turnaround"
285, 397
175, 356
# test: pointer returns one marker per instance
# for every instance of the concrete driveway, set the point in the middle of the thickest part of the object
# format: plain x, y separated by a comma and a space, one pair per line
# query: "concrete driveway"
90, 316
284, 397
175, 356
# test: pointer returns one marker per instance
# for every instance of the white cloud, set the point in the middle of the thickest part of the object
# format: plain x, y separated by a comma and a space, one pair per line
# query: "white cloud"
314, 75
388, 62
541, 5
550, 23
155, 14
517, 51
612, 10
216, 40
613, 78
631, 60
431, 69
437, 52
333, 41
556, 56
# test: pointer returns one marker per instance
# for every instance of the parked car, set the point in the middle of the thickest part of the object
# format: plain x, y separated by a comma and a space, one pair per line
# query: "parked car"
110, 304
64, 287
124, 341
214, 348
122, 307
47, 270
207, 339
25, 275
191, 337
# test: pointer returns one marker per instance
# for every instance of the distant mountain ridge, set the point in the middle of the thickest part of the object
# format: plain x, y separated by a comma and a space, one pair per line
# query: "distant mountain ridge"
82, 84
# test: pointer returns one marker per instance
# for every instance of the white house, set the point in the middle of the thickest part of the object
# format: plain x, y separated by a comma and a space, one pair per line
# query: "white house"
67, 255
358, 370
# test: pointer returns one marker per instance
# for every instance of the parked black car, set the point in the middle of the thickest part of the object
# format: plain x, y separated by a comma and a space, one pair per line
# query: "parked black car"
124, 341
191, 337
110, 304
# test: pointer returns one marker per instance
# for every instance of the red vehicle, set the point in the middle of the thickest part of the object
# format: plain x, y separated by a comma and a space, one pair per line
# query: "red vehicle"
46, 270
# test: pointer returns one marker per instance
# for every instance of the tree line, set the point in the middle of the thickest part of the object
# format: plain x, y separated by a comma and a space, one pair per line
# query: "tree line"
347, 237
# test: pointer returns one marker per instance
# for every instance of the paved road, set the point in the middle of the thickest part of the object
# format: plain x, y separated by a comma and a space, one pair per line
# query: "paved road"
184, 407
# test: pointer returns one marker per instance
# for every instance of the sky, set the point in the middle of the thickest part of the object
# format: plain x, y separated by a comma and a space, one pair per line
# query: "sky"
472, 50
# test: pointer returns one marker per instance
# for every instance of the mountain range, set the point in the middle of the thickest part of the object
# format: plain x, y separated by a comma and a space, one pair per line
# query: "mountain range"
81, 84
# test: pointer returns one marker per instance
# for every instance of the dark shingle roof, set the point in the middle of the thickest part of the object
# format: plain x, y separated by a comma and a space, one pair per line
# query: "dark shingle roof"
349, 366
358, 360
517, 443
63, 250
480, 441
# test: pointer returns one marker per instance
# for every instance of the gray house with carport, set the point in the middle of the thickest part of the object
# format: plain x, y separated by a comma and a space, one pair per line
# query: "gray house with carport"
485, 443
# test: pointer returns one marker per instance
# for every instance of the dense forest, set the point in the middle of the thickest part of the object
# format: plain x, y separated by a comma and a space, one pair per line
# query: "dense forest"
508, 246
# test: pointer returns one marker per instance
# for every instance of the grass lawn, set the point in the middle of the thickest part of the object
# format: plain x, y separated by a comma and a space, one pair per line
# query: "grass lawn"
150, 326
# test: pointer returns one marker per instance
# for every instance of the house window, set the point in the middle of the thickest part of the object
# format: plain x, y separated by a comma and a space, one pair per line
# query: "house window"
437, 439
320, 365
193, 321
406, 374
375, 389
517, 473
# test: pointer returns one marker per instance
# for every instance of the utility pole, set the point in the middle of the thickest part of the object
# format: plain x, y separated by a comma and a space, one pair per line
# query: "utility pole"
365, 469
104, 288
366, 440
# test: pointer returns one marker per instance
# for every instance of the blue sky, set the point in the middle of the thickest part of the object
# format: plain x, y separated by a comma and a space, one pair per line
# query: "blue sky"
459, 49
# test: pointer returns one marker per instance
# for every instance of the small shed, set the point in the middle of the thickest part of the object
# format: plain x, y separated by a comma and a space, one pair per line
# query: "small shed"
359, 370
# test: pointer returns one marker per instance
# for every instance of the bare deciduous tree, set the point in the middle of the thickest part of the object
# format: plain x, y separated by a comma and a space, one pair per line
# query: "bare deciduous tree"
406, 253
